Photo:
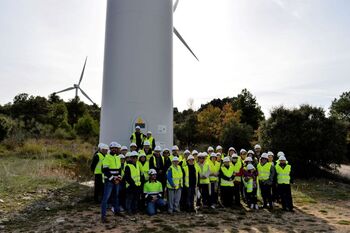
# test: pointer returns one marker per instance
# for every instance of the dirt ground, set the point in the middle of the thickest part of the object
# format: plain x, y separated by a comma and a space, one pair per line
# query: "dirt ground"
321, 206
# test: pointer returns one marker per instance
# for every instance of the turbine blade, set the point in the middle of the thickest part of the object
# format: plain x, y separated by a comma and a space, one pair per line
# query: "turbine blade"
82, 72
86, 95
175, 5
67, 89
184, 42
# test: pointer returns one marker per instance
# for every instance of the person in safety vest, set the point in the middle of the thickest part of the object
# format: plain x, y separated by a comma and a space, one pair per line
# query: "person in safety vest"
219, 150
209, 151
214, 167
204, 181
251, 186
257, 151
191, 174
132, 176
266, 175
195, 154
112, 178
137, 137
156, 162
123, 150
167, 160
143, 165
151, 140
153, 193
175, 153
174, 185
283, 171
122, 184
183, 164
242, 154
96, 168
227, 177
147, 150
231, 151
238, 171
133, 147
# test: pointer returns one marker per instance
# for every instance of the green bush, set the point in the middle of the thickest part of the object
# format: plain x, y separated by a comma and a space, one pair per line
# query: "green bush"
7, 126
237, 134
87, 127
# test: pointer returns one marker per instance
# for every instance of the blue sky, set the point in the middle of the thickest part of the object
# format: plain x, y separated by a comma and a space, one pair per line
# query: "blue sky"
286, 52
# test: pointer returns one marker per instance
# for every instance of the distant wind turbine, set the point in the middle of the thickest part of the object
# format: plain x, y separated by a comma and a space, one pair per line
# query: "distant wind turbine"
77, 86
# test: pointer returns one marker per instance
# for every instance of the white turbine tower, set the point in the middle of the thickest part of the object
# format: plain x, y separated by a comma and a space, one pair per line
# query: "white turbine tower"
77, 86
138, 63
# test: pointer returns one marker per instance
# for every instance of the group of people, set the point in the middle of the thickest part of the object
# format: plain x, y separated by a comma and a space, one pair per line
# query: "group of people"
142, 178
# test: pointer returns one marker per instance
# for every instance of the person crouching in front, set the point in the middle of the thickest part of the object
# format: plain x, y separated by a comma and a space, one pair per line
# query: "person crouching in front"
153, 190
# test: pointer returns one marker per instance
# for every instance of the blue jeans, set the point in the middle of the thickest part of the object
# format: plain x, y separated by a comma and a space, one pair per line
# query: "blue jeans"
107, 193
152, 206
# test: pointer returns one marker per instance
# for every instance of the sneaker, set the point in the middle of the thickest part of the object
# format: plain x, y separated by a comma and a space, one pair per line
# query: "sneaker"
112, 208
212, 206
256, 206
252, 206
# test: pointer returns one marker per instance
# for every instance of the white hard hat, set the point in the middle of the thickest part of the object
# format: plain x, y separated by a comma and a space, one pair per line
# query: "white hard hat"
201, 154
99, 145
114, 144
190, 157
175, 147
280, 153
142, 154
157, 148
152, 172
250, 167
219, 147
242, 151
124, 148
121, 156
175, 159
210, 149
257, 146
213, 155
103, 146
270, 153
146, 143
218, 154
149, 132
194, 152
205, 154
187, 152
133, 144
137, 127
264, 156
231, 148
282, 158
234, 155
166, 149
127, 155
250, 152
248, 159
134, 153
226, 159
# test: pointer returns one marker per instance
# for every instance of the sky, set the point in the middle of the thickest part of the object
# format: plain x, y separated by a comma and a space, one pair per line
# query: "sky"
286, 52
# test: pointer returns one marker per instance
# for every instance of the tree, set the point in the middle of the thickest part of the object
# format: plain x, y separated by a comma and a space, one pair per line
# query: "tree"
87, 127
340, 108
209, 124
308, 138
58, 115
237, 134
251, 111
76, 109
7, 125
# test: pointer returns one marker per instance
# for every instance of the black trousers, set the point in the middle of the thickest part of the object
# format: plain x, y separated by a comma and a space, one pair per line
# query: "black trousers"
190, 194
183, 200
226, 195
213, 193
98, 188
285, 193
236, 192
204, 190
266, 194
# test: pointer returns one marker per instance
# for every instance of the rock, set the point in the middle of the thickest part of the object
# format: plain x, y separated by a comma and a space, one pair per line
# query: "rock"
60, 220
47, 209
26, 198
2, 201
2, 227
